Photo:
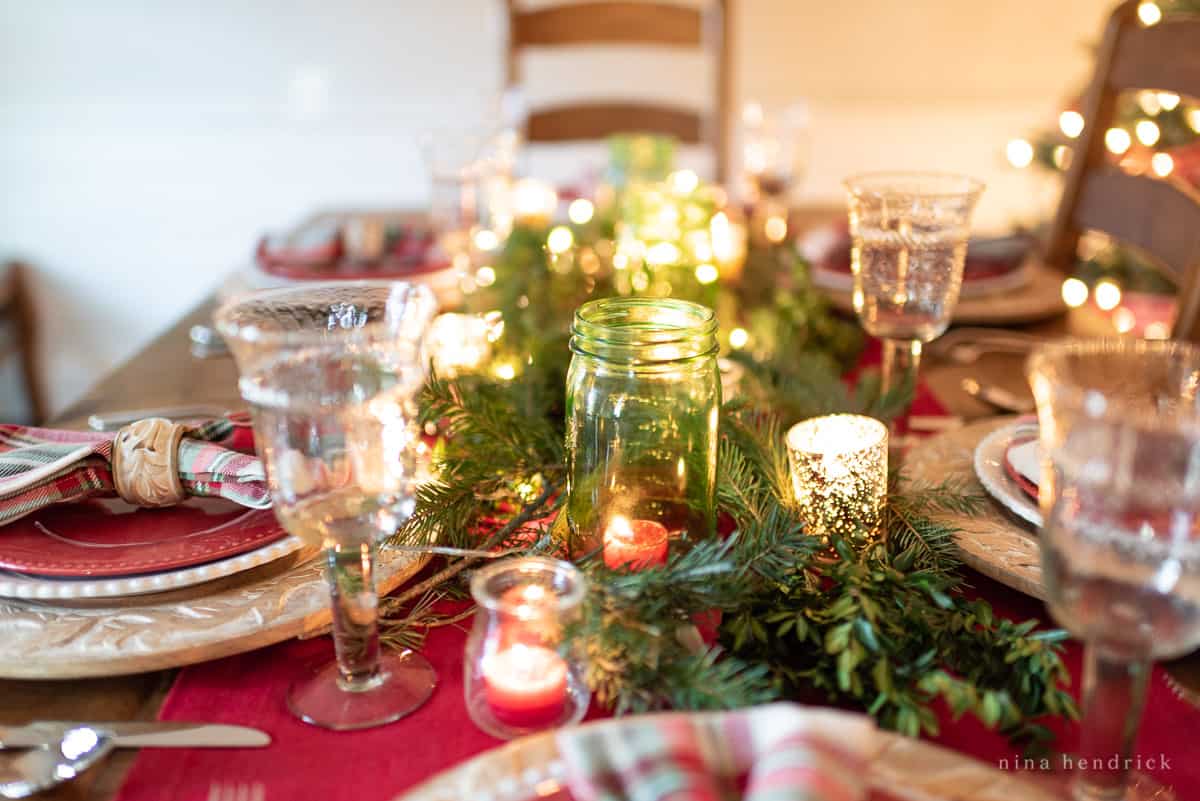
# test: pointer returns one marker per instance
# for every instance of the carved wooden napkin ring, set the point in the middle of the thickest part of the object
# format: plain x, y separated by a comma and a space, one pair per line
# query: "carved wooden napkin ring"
145, 462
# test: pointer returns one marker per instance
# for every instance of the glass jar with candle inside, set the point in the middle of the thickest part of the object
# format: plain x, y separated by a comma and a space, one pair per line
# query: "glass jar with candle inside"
643, 401
520, 674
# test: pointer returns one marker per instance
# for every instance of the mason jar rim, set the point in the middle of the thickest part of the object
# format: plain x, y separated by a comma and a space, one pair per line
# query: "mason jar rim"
612, 323
533, 567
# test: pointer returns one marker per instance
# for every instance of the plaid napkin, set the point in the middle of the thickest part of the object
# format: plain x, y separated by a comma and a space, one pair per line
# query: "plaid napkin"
778, 752
42, 466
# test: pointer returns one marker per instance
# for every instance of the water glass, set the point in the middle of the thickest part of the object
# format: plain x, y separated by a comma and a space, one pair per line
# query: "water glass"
774, 150
331, 373
909, 232
1119, 423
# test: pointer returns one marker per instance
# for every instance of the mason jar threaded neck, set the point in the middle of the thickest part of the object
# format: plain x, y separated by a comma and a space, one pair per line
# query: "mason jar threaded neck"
644, 331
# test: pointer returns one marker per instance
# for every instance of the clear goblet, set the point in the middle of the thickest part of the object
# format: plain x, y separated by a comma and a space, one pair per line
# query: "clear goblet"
331, 373
909, 240
1119, 424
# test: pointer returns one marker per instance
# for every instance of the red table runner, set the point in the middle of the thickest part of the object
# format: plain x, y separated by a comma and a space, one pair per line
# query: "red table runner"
305, 762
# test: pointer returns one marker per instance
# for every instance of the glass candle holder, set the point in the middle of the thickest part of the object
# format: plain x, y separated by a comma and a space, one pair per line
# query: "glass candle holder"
520, 676
643, 398
839, 466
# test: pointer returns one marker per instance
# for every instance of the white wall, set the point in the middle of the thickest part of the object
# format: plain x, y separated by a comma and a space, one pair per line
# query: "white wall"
144, 146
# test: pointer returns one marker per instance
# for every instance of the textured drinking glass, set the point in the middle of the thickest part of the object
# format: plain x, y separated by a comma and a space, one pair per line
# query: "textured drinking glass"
1119, 423
909, 233
331, 373
643, 398
520, 675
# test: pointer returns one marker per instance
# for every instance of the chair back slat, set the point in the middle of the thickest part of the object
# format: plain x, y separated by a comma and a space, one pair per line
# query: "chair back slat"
1164, 57
1153, 216
704, 29
584, 121
607, 23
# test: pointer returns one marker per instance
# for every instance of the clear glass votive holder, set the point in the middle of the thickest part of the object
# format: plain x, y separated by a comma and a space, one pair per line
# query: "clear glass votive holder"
839, 467
520, 674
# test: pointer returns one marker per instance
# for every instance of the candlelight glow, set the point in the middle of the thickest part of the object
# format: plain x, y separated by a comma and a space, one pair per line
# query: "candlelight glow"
839, 469
1117, 140
1162, 164
580, 211
1020, 153
1108, 295
1071, 124
1074, 292
505, 371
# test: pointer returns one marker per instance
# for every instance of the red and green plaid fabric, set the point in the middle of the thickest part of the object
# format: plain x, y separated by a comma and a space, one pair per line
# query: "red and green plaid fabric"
777, 752
43, 466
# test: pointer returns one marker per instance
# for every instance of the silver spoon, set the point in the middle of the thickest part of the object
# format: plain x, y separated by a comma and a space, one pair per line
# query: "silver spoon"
999, 397
29, 771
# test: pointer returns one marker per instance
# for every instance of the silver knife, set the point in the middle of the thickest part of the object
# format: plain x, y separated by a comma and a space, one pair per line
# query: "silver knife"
132, 734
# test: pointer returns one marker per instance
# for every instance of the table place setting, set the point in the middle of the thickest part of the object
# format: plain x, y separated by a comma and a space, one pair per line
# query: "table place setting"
639, 486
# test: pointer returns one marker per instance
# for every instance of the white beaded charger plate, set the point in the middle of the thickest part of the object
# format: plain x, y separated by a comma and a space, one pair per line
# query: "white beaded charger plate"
993, 541
902, 768
989, 469
21, 585
82, 638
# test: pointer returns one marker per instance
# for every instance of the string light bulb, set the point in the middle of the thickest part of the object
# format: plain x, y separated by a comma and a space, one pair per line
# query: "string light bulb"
560, 240
1149, 13
1071, 124
706, 273
580, 211
1020, 153
1193, 119
1147, 132
1168, 100
1162, 164
738, 338
1108, 295
1124, 320
1074, 292
1062, 157
1117, 140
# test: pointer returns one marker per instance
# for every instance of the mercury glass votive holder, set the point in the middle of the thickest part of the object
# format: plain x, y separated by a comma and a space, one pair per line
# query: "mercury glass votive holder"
520, 674
839, 467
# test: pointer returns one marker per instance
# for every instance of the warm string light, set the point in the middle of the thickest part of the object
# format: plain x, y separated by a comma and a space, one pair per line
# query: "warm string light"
1071, 123
738, 338
1162, 164
1117, 140
1108, 295
1020, 153
1074, 292
1168, 100
1149, 13
1124, 320
559, 240
486, 239
1147, 132
1061, 157
581, 211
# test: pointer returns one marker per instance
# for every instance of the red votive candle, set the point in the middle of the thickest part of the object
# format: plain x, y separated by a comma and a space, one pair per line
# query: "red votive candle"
637, 543
525, 685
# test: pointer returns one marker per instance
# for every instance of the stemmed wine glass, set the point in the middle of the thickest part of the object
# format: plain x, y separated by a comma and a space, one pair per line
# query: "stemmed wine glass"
1119, 423
909, 232
331, 373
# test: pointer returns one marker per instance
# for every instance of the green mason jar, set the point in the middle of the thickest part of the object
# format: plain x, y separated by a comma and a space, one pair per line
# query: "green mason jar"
643, 403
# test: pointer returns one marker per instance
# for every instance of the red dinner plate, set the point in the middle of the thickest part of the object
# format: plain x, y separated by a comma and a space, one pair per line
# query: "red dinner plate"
112, 538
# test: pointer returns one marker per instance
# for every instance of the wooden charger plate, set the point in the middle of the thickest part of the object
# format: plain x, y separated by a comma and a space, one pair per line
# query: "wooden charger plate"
112, 637
994, 541
1039, 298
902, 769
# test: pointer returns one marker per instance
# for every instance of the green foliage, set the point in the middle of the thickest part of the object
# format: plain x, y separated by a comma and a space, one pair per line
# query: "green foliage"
886, 628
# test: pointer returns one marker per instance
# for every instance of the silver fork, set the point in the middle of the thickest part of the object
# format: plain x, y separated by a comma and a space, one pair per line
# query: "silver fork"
253, 791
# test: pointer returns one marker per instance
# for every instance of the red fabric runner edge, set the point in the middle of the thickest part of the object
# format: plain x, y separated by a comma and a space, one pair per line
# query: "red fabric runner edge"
378, 764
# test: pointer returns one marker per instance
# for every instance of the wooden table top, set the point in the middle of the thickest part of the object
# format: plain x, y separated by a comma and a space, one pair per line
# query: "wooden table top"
165, 374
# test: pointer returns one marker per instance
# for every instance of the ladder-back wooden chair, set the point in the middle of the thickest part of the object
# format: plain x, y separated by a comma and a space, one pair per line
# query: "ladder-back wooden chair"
1161, 218
627, 23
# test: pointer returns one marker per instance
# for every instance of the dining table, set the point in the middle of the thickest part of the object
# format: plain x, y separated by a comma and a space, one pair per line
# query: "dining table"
165, 373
